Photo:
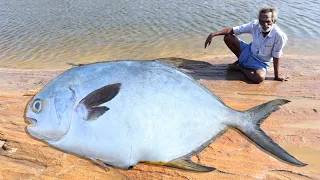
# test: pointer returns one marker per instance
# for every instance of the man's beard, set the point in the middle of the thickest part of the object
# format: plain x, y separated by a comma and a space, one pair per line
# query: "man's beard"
267, 29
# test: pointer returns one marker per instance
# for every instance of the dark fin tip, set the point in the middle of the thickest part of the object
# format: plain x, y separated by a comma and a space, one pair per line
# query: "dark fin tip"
301, 164
101, 95
285, 101
263, 111
96, 112
266, 144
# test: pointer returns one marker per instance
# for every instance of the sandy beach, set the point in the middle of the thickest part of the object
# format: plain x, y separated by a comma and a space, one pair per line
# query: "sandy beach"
295, 127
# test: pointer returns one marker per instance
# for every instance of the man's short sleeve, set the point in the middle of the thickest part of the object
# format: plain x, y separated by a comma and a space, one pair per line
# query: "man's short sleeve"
280, 41
245, 28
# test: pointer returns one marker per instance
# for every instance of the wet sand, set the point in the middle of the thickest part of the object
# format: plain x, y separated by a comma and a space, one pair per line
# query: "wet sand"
295, 127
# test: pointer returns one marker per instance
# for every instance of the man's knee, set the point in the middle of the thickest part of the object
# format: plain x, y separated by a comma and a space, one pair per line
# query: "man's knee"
259, 78
228, 38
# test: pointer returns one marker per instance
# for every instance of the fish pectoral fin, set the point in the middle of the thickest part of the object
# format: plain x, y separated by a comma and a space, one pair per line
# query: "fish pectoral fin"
101, 95
100, 163
89, 108
96, 112
187, 164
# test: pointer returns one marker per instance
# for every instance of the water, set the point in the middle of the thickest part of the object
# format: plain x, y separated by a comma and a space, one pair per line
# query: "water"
49, 33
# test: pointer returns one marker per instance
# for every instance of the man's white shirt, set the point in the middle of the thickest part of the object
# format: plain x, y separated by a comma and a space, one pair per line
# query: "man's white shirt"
264, 47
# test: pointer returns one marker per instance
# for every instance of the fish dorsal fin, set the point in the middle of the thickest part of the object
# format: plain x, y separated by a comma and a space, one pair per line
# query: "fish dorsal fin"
89, 106
187, 164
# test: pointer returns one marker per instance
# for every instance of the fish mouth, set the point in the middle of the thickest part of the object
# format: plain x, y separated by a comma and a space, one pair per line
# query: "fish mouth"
31, 122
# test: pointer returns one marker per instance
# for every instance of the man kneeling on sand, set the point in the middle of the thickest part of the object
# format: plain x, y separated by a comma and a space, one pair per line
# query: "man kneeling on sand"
268, 41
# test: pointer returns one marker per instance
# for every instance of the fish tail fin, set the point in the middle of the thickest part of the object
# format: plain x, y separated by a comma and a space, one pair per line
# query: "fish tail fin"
255, 117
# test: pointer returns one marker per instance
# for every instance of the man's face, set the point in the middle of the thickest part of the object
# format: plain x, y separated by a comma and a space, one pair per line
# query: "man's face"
265, 20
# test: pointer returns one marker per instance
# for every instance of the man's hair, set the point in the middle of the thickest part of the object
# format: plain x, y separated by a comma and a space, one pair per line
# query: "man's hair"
267, 9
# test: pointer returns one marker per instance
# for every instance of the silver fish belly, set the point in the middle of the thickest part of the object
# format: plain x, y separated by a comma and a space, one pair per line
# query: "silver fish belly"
125, 112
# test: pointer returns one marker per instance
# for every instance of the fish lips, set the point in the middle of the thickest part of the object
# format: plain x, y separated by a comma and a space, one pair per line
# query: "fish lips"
32, 128
31, 122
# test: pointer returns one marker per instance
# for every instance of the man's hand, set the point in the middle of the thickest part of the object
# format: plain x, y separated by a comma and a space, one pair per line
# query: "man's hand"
281, 79
222, 32
208, 41
276, 67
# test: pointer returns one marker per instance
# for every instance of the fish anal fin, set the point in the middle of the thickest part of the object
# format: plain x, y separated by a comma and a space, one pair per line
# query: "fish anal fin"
100, 163
187, 164
95, 112
204, 145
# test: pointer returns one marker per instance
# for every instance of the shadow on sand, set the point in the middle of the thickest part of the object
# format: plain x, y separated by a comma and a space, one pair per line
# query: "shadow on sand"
201, 69
204, 70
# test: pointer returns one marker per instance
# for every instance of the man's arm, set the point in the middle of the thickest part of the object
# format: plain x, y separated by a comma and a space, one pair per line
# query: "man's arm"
222, 32
245, 28
276, 67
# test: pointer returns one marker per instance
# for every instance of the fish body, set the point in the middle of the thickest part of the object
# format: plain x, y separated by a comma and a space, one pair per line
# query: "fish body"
125, 112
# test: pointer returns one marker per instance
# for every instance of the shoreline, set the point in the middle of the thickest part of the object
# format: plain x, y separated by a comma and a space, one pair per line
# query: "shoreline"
201, 58
294, 127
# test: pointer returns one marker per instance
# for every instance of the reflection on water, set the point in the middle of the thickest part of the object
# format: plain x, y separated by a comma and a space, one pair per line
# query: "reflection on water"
46, 34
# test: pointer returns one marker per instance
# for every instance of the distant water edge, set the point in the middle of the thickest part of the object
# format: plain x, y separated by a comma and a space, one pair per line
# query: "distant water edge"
47, 34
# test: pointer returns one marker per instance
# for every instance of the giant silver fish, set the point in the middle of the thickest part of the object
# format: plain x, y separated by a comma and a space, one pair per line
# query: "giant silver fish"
125, 112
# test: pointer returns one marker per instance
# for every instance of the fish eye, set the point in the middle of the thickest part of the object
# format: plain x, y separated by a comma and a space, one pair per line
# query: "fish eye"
36, 106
